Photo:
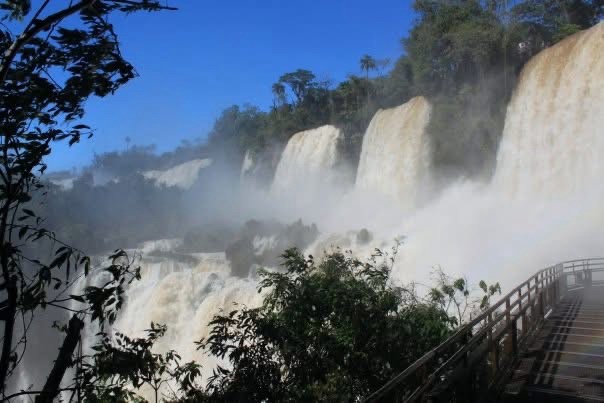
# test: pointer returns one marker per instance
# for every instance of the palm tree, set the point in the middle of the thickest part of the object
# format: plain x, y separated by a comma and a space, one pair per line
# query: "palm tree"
367, 63
279, 93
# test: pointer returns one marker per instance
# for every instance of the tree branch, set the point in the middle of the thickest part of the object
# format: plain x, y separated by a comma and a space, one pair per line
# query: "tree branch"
36, 28
135, 3
53, 383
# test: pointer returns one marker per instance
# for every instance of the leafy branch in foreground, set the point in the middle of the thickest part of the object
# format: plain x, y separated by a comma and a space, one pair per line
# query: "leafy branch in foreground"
60, 58
330, 330
120, 365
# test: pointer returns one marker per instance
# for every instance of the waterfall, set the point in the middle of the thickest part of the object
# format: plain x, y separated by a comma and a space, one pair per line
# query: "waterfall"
182, 176
183, 294
395, 154
553, 140
247, 167
544, 204
311, 159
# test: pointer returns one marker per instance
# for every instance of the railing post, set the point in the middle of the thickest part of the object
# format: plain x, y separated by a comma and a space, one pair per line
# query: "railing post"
522, 315
563, 282
514, 337
541, 302
463, 388
548, 291
556, 290
512, 342
493, 348
587, 274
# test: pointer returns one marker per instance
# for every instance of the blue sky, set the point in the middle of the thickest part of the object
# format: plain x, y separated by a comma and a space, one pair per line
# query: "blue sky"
211, 54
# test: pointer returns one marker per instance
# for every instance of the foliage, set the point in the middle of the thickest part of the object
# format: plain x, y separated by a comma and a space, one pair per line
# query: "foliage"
333, 331
454, 296
549, 21
367, 63
47, 73
300, 82
114, 214
238, 129
121, 364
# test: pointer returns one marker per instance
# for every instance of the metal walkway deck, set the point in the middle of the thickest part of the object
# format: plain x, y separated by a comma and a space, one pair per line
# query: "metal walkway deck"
565, 363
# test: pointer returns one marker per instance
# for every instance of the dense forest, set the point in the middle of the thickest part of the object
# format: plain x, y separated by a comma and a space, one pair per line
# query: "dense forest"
332, 329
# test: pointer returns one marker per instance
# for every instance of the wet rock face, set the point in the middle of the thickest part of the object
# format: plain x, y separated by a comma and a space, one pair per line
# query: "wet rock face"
240, 255
207, 239
364, 236
262, 243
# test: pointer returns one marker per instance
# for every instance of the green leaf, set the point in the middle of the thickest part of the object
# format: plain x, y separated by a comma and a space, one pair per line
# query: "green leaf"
483, 285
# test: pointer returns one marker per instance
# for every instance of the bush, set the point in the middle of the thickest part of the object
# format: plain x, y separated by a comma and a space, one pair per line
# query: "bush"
334, 330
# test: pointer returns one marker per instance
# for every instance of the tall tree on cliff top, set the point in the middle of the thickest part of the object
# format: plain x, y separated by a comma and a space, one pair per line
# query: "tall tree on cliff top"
300, 82
367, 63
548, 21
59, 58
452, 43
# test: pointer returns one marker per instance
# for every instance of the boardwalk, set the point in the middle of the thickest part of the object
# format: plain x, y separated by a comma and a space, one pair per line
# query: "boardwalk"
542, 342
566, 361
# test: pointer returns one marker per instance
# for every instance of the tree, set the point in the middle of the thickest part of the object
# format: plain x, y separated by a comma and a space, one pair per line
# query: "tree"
236, 130
278, 90
120, 363
47, 73
299, 81
546, 22
367, 63
452, 43
333, 330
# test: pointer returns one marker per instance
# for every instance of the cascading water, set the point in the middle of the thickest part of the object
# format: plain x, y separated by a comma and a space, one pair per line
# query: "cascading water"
182, 176
311, 159
247, 166
395, 156
544, 203
183, 294
554, 131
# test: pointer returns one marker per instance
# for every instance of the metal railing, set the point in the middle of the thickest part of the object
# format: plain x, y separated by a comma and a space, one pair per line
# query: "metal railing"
472, 363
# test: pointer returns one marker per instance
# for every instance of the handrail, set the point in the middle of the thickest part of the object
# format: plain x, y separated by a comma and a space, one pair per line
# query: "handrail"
474, 350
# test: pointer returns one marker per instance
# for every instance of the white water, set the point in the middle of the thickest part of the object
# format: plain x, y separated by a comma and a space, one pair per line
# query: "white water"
310, 160
544, 204
395, 156
553, 137
247, 167
184, 297
182, 176
65, 184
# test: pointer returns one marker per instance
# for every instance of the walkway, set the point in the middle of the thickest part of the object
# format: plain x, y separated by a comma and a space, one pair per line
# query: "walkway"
566, 361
